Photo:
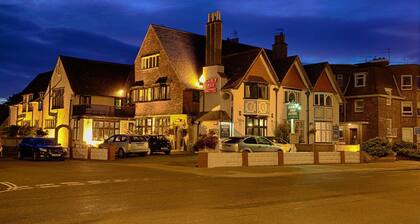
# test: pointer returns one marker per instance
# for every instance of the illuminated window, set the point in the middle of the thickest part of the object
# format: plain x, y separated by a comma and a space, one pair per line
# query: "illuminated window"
144, 126
150, 61
49, 124
359, 105
407, 108
103, 129
161, 125
75, 127
323, 131
256, 125
85, 100
360, 79
406, 82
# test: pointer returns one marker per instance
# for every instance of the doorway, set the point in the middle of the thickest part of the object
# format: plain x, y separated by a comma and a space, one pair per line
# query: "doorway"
353, 136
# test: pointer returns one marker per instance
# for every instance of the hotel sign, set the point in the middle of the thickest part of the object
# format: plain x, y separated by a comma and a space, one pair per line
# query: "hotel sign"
210, 86
293, 110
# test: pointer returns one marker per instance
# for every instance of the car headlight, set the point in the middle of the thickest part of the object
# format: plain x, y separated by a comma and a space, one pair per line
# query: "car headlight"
43, 150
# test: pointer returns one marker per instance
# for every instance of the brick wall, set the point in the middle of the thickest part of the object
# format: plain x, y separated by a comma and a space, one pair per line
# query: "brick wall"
149, 76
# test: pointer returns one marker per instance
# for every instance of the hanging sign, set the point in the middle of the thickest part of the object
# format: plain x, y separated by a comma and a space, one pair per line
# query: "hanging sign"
293, 111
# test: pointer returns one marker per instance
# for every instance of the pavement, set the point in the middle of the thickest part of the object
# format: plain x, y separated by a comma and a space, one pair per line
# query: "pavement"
170, 189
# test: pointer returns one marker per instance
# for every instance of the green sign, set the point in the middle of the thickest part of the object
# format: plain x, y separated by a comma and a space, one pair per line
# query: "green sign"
293, 110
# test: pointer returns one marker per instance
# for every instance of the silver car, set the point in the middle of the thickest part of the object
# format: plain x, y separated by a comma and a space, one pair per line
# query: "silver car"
125, 144
249, 144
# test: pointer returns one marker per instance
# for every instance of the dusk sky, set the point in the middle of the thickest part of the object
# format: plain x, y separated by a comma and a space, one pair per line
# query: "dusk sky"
34, 33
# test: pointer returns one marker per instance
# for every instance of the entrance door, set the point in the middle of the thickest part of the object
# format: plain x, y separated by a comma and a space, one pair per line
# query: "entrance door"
353, 136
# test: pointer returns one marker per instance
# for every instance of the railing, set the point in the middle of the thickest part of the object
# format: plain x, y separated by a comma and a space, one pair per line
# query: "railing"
391, 132
103, 110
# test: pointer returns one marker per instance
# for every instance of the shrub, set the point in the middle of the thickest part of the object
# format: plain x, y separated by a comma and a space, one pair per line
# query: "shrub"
377, 147
282, 132
406, 149
210, 141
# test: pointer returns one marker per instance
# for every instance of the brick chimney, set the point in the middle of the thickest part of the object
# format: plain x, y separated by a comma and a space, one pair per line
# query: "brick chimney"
279, 47
214, 39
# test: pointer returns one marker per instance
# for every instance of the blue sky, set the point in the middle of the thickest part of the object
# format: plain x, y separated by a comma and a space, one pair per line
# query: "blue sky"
33, 33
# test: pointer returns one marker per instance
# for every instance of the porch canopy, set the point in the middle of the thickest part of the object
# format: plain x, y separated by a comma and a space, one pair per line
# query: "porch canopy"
218, 115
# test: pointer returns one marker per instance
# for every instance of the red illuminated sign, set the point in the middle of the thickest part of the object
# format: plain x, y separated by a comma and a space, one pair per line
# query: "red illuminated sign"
210, 86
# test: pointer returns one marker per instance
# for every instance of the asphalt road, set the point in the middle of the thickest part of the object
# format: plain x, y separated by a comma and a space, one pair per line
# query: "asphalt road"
169, 189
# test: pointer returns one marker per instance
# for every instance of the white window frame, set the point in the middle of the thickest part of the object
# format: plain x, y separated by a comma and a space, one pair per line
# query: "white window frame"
324, 103
389, 97
150, 61
360, 75
323, 131
405, 114
406, 87
358, 108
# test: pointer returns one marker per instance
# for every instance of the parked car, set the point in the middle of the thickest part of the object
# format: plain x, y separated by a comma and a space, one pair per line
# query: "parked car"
159, 143
127, 144
249, 144
285, 146
40, 148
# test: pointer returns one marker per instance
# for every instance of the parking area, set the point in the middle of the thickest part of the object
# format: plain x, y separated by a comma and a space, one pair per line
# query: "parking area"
170, 189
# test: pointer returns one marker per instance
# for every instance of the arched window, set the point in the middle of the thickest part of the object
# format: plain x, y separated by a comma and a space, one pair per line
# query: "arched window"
328, 101
292, 97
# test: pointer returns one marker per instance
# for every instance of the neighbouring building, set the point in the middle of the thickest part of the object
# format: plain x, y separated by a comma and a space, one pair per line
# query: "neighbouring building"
326, 98
81, 102
29, 112
374, 102
407, 77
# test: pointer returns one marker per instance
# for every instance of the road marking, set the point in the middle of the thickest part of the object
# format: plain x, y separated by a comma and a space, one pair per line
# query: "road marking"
72, 183
13, 187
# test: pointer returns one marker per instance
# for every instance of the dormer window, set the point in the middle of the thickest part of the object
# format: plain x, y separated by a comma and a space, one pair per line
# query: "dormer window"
406, 82
360, 79
150, 61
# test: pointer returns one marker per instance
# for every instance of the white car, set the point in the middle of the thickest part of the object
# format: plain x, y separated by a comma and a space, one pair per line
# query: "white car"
125, 144
249, 144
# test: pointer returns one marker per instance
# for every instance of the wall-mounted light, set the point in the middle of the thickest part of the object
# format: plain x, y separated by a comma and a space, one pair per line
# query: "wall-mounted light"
201, 80
120, 92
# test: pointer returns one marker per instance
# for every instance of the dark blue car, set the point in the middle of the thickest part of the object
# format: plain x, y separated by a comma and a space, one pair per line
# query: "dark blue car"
40, 148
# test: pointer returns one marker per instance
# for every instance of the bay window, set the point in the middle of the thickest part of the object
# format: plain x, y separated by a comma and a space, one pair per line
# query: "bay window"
256, 125
256, 91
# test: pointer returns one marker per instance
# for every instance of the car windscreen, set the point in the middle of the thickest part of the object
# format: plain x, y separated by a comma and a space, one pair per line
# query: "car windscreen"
136, 139
233, 140
43, 141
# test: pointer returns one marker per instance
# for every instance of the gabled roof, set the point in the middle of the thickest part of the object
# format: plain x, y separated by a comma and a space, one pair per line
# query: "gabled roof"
89, 77
314, 71
38, 84
283, 65
187, 50
236, 66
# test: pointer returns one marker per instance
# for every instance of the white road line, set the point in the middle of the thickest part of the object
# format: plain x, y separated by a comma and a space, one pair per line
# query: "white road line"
98, 181
120, 180
72, 183
19, 188
47, 185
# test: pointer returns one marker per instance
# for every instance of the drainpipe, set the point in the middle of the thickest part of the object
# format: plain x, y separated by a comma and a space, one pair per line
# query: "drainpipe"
307, 93
276, 90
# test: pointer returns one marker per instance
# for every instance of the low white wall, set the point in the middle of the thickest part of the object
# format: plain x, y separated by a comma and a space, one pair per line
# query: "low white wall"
98, 154
352, 157
263, 159
347, 148
224, 160
80, 153
329, 157
296, 158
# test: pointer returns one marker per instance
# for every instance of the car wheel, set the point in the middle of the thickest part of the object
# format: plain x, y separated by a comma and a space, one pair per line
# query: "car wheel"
35, 156
167, 152
19, 155
121, 153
